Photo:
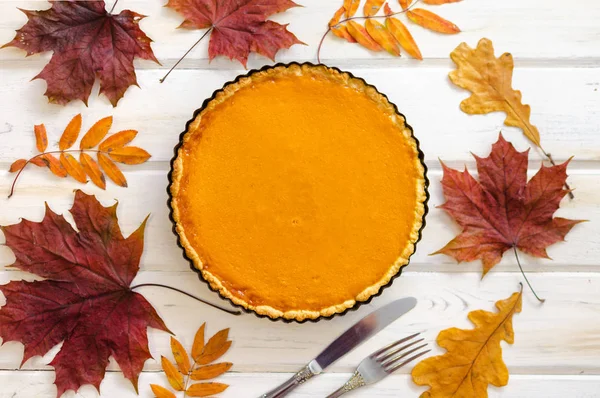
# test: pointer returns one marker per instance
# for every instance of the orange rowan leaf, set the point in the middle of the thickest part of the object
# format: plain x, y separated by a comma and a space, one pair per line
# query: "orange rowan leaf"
173, 376
70, 134
54, 165
17, 165
431, 21
111, 170
92, 170
360, 34
404, 4
206, 389
351, 7
210, 371
96, 133
337, 16
38, 161
215, 348
403, 36
473, 357
372, 7
198, 345
181, 356
41, 137
439, 2
382, 36
118, 140
387, 11
73, 167
129, 155
161, 392
342, 32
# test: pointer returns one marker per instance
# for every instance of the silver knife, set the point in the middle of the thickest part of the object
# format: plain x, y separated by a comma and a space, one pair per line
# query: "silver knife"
349, 340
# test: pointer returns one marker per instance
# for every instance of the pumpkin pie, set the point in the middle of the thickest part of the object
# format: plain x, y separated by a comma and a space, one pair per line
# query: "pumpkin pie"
298, 191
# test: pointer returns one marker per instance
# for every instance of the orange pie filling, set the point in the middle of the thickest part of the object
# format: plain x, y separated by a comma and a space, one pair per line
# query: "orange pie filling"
298, 191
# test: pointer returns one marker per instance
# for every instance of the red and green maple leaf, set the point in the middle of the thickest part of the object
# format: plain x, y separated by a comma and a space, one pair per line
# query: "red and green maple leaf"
503, 210
87, 41
85, 299
238, 27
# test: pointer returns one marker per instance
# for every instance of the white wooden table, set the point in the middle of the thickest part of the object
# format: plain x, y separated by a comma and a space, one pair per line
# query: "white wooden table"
556, 45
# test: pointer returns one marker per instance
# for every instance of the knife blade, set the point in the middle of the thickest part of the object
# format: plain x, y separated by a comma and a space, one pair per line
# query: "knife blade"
346, 342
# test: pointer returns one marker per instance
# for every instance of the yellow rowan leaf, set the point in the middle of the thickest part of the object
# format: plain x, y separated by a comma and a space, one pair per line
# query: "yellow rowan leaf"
181, 356
161, 392
210, 371
118, 140
112, 171
382, 36
198, 345
337, 16
360, 34
54, 165
351, 6
372, 7
432, 21
73, 167
41, 137
401, 33
439, 2
92, 170
342, 32
215, 348
17, 165
96, 133
129, 155
474, 357
70, 134
404, 4
173, 376
206, 389
489, 80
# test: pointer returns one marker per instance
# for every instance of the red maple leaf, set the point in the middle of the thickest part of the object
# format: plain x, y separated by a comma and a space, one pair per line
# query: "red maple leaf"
238, 26
87, 42
503, 211
85, 300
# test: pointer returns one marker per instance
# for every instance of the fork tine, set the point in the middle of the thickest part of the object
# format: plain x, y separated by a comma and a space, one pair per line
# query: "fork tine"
389, 347
395, 368
394, 360
388, 354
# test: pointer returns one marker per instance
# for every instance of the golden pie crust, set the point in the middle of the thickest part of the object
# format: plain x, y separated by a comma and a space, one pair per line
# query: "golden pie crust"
298, 191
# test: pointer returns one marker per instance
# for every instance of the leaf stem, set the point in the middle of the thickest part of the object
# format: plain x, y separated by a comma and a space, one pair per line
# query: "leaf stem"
185, 55
229, 311
113, 7
525, 276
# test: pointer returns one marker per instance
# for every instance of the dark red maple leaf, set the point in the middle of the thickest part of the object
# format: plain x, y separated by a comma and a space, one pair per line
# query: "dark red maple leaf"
503, 211
85, 300
87, 42
238, 26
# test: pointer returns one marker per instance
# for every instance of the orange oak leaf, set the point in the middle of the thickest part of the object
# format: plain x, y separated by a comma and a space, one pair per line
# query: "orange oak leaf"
473, 357
503, 210
238, 27
432, 21
87, 42
85, 299
110, 150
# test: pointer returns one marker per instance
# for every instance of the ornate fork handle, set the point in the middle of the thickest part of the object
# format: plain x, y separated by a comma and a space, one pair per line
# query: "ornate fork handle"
356, 381
302, 376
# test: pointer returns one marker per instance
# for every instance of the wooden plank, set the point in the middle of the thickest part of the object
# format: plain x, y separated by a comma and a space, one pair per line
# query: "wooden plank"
147, 195
559, 337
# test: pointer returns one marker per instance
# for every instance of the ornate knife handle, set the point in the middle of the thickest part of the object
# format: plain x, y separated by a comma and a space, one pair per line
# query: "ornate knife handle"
305, 374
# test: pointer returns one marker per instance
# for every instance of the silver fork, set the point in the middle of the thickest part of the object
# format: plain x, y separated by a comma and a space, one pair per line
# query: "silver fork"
382, 363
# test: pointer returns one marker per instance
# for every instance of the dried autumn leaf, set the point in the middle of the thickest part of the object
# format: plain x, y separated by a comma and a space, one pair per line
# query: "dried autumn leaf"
92, 170
342, 32
372, 7
205, 389
129, 155
439, 2
118, 140
351, 7
111, 170
382, 36
17, 165
85, 299
54, 165
198, 345
181, 356
474, 357
489, 79
73, 167
215, 348
503, 210
210, 371
403, 36
41, 138
404, 4
96, 133
432, 21
337, 16
173, 376
69, 136
161, 392
360, 34
86, 42
38, 161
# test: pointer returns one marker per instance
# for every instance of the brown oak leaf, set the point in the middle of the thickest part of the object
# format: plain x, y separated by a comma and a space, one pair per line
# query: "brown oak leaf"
503, 210
87, 42
85, 301
474, 356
